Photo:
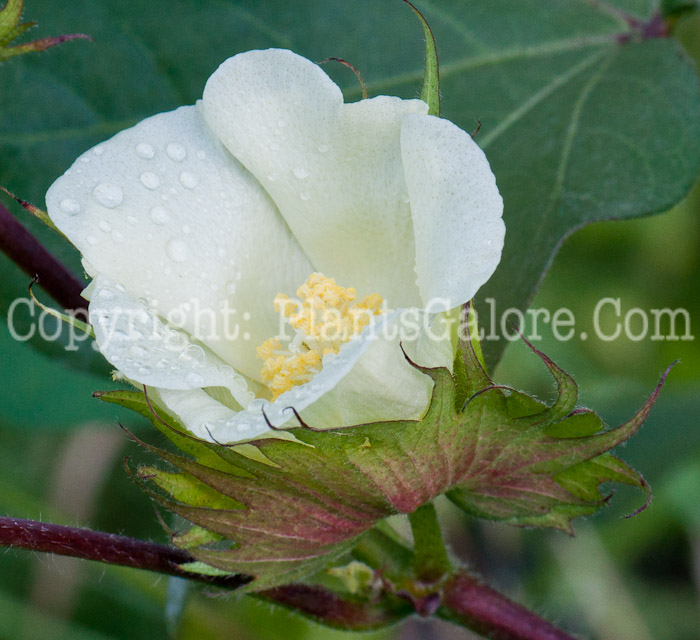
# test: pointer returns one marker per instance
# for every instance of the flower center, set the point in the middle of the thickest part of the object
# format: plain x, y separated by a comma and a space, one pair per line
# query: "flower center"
324, 317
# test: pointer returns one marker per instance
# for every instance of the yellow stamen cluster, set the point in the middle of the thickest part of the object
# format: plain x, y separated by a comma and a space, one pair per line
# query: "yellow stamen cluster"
325, 316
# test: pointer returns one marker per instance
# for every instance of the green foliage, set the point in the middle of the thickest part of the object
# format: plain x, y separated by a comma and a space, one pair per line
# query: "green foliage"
581, 118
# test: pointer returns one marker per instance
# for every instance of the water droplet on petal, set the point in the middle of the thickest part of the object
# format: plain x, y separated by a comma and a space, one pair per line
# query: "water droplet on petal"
117, 236
132, 220
120, 287
304, 195
231, 287
323, 148
176, 151
145, 150
150, 180
70, 206
104, 226
160, 215
108, 195
99, 150
300, 173
177, 250
91, 240
196, 353
188, 180
201, 154
242, 427
106, 294
194, 380
274, 147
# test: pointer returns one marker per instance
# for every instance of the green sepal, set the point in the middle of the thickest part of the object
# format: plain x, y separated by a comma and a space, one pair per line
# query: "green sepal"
430, 93
38, 213
11, 28
301, 504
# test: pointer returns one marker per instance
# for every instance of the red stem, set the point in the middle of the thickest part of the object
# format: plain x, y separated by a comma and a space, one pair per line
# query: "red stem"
315, 602
29, 254
104, 547
469, 602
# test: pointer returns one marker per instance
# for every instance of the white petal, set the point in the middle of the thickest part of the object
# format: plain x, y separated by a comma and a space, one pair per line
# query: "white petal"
146, 350
456, 210
369, 380
334, 170
164, 210
207, 418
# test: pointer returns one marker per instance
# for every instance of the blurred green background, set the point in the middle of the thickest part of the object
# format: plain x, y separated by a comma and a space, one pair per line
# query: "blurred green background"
61, 452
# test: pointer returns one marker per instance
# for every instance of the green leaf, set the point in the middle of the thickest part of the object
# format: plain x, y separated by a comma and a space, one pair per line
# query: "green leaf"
581, 118
502, 456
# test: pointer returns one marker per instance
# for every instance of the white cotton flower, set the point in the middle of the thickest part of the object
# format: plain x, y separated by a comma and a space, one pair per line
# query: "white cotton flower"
192, 222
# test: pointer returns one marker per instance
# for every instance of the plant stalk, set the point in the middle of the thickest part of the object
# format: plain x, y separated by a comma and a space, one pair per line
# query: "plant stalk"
31, 256
470, 603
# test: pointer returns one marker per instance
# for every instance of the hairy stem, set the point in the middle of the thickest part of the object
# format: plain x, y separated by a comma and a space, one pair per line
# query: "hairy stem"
104, 547
472, 604
313, 601
30, 255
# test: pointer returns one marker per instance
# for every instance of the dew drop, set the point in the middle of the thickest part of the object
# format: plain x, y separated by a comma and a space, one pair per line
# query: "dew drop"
162, 364
120, 288
144, 371
274, 147
323, 148
117, 236
98, 151
231, 287
176, 151
160, 215
145, 150
300, 173
281, 123
108, 195
188, 180
132, 220
177, 250
201, 154
70, 206
150, 180
91, 240
106, 294
194, 380
196, 353
272, 177
304, 195
243, 426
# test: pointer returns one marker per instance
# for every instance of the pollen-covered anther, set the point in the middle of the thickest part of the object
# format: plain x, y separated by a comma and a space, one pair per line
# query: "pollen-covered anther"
324, 317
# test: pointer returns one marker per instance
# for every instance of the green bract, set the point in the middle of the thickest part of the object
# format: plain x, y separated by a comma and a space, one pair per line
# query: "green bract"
497, 453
